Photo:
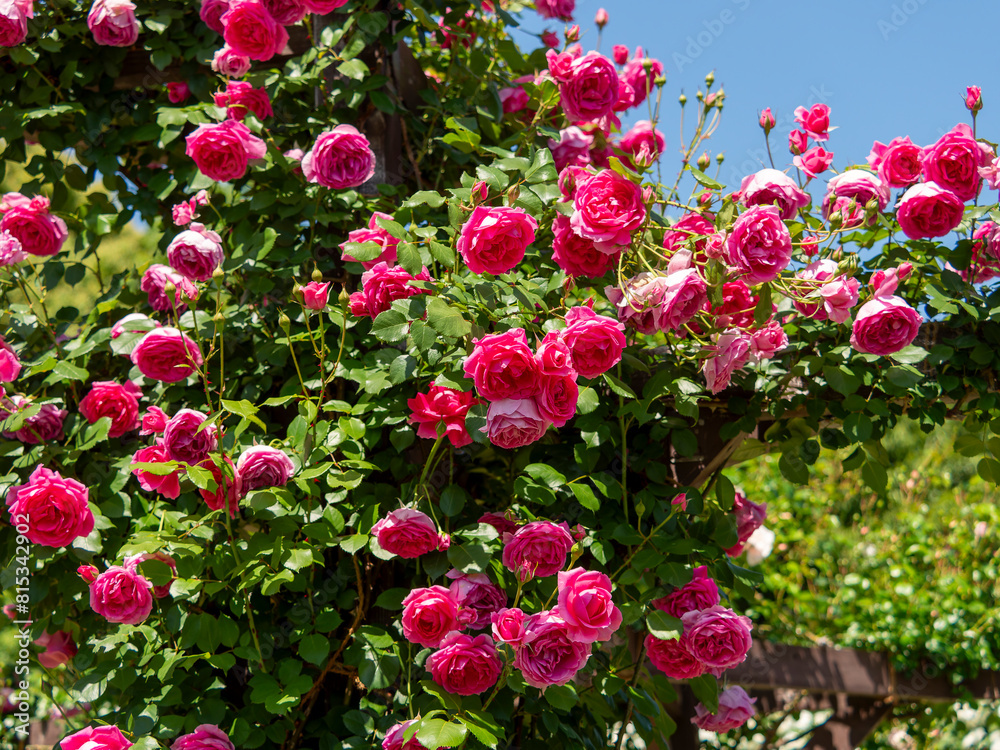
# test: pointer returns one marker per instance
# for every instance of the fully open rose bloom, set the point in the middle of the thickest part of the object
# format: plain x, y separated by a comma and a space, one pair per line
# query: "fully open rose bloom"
55, 509
95, 738
186, 440
673, 657
204, 737
607, 209
340, 158
732, 351
196, 252
395, 736
596, 341
700, 592
118, 402
638, 301
409, 533
59, 649
229, 63
113, 23
442, 406
537, 549
586, 606
717, 637
14, 15
477, 596
548, 655
167, 485
222, 152
556, 403
561, 9
766, 342
815, 121
769, 186
928, 210
211, 12
502, 366
167, 355
494, 238
759, 245
684, 294
10, 363
381, 285
885, 323
250, 30
897, 163
240, 98
465, 665
577, 255
120, 594
429, 615
554, 357
29, 221
231, 481
839, 296
953, 162
374, 233
262, 466
735, 707
514, 422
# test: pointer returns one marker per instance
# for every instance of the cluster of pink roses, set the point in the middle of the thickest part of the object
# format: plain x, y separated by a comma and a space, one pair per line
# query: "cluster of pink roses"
29, 222
109, 737
121, 594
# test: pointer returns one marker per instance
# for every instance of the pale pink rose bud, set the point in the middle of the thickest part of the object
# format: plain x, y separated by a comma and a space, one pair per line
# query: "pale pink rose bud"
513, 423
601, 18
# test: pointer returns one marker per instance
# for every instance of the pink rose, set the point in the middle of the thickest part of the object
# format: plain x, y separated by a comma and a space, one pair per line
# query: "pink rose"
990, 173
813, 162
898, 163
167, 355
477, 596
839, 296
886, 323
692, 229
607, 209
286, 12
586, 606
735, 708
823, 269
228, 63
494, 238
195, 253
717, 636
750, 516
13, 22
549, 39
445, 407
322, 7
560, 9
953, 162
701, 592
429, 615
770, 186
685, 293
577, 255
732, 351
537, 549
134, 561
55, 509
11, 250
673, 657
10, 363
315, 295
597, 342
554, 357
155, 280
766, 342
640, 79
167, 485
560, 64
44, 427
240, 98
503, 366
928, 210
513, 423
178, 91
620, 52
381, 285
798, 142
502, 522
815, 121
185, 439
737, 308
759, 246
29, 221
261, 466
556, 403
570, 179
228, 487
340, 158
211, 13
394, 737
549, 656
113, 23
642, 145
119, 402
408, 533
572, 148
510, 627
95, 738
465, 665
591, 90
374, 233
222, 151
204, 737
514, 99
250, 30
59, 649
856, 184
121, 595
154, 421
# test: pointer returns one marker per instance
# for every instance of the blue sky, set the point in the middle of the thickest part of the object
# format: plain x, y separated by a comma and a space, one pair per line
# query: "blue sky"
885, 69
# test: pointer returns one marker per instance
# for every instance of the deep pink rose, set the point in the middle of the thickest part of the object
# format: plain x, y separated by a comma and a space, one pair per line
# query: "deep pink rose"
442, 406
885, 323
823, 269
701, 592
560, 9
560, 64
586, 606
184, 213
642, 145
322, 7
813, 162
374, 233
717, 637
766, 342
732, 351
572, 148
549, 39
408, 533
607, 209
839, 296
11, 249
44, 427
204, 737
286, 12
735, 708
570, 179
673, 657
759, 245
315, 295
510, 627
154, 281
262, 466
514, 99
154, 421
167, 485
228, 487
685, 230
113, 23
554, 357
477, 596
548, 655
815, 121
340, 158
122, 595
737, 308
591, 89
222, 152
228, 63
502, 522
29, 221
859, 186
119, 402
928, 210
55, 509
394, 737
59, 649
494, 238
211, 12
250, 30
240, 98
513, 423
167, 355
769, 186
556, 402
898, 163
10, 363
640, 74
185, 439
178, 92
195, 253
537, 549
503, 366
577, 255
429, 615
13, 22
465, 665
953, 162
620, 52
684, 294
798, 142
95, 738
381, 285
597, 342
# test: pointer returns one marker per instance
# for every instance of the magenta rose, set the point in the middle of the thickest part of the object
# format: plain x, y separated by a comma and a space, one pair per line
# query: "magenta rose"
885, 323
14, 22
839, 296
953, 162
185, 439
548, 655
204, 737
732, 351
477, 596
701, 592
228, 63
759, 244
737, 308
769, 186
222, 152
374, 233
154, 421
408, 533
494, 238
673, 657
640, 74
685, 293
118, 402
211, 12
586, 606
465, 665
642, 145
59, 649
44, 427
560, 9
395, 736
29, 221
717, 637
813, 162
240, 97
445, 407
815, 121
590, 91
228, 487
262, 466
767, 341
928, 210
250, 30
898, 163
381, 285
315, 295
167, 355
556, 402
554, 357
685, 230
503, 366
167, 485
597, 342
340, 158
54, 509
122, 595
857, 185
10, 363
514, 422
113, 23
607, 209
735, 708
134, 561
95, 738
286, 12
576, 255
537, 549
195, 253
429, 615
510, 627
572, 148
155, 280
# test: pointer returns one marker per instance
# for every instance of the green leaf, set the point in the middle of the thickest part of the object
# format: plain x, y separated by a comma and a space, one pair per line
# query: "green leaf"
427, 198
989, 470
706, 689
910, 355
543, 168
725, 492
545, 474
841, 379
663, 626
452, 500
703, 179
435, 733
446, 320
353, 69
363, 251
762, 312
314, 649
390, 325
793, 468
352, 544
585, 496
562, 697
245, 409
67, 371
618, 386
409, 258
